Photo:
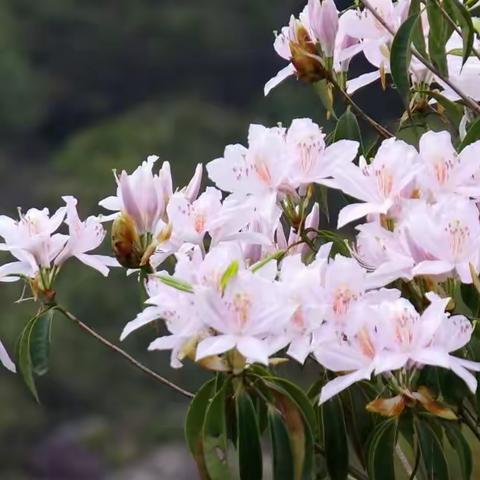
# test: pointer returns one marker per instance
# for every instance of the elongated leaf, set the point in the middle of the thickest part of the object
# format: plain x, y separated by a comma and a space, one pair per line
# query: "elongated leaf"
229, 273
464, 20
473, 134
300, 398
194, 424
437, 37
214, 437
400, 57
418, 38
32, 355
432, 452
347, 127
282, 451
360, 423
461, 446
175, 283
381, 451
452, 110
300, 419
40, 342
249, 448
335, 439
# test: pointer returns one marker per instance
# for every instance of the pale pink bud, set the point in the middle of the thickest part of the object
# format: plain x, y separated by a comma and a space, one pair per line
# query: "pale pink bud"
323, 16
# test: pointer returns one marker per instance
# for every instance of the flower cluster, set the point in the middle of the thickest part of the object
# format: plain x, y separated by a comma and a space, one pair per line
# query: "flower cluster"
250, 273
244, 288
40, 249
322, 41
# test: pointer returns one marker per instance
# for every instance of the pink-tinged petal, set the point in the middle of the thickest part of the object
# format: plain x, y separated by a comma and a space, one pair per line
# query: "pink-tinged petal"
94, 262
464, 374
432, 356
282, 75
337, 385
355, 211
10, 272
5, 359
215, 345
111, 203
432, 267
143, 318
463, 271
299, 348
389, 361
192, 189
361, 81
129, 200
253, 349
168, 342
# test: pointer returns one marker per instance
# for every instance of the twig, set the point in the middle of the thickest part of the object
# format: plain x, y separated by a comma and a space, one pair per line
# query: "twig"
376, 126
124, 354
454, 25
473, 105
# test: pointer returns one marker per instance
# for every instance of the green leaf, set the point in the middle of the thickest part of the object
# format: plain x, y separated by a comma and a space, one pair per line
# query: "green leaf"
274, 256
462, 448
32, 354
437, 37
228, 274
214, 437
249, 448
432, 451
282, 451
473, 134
464, 20
335, 439
175, 283
453, 111
194, 424
381, 451
296, 405
347, 128
40, 340
360, 422
418, 38
400, 57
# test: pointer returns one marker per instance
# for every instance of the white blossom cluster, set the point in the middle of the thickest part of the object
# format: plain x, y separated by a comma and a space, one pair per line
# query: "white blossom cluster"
253, 274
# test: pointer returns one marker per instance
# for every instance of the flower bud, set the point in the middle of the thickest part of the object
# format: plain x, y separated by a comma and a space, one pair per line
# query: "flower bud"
303, 50
323, 17
126, 242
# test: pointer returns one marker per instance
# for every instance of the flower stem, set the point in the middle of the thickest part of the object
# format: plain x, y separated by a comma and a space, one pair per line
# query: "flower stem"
468, 101
124, 354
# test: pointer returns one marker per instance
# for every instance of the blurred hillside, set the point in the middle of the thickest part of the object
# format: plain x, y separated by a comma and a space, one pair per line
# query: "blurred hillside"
88, 86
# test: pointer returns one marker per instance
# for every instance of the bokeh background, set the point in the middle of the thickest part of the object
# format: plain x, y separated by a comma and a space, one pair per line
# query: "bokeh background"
87, 86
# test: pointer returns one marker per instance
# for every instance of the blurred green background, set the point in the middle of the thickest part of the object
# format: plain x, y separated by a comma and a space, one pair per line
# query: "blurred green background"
88, 86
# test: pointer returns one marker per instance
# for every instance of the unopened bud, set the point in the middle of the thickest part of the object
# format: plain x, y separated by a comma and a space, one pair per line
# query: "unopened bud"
126, 243
304, 51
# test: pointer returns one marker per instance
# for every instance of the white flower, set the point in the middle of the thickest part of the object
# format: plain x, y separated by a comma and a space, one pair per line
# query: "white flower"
250, 310
143, 195
84, 237
446, 171
380, 183
32, 239
443, 237
310, 159
259, 170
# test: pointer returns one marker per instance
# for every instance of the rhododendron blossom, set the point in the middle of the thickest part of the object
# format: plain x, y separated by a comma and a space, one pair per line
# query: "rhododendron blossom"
249, 272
